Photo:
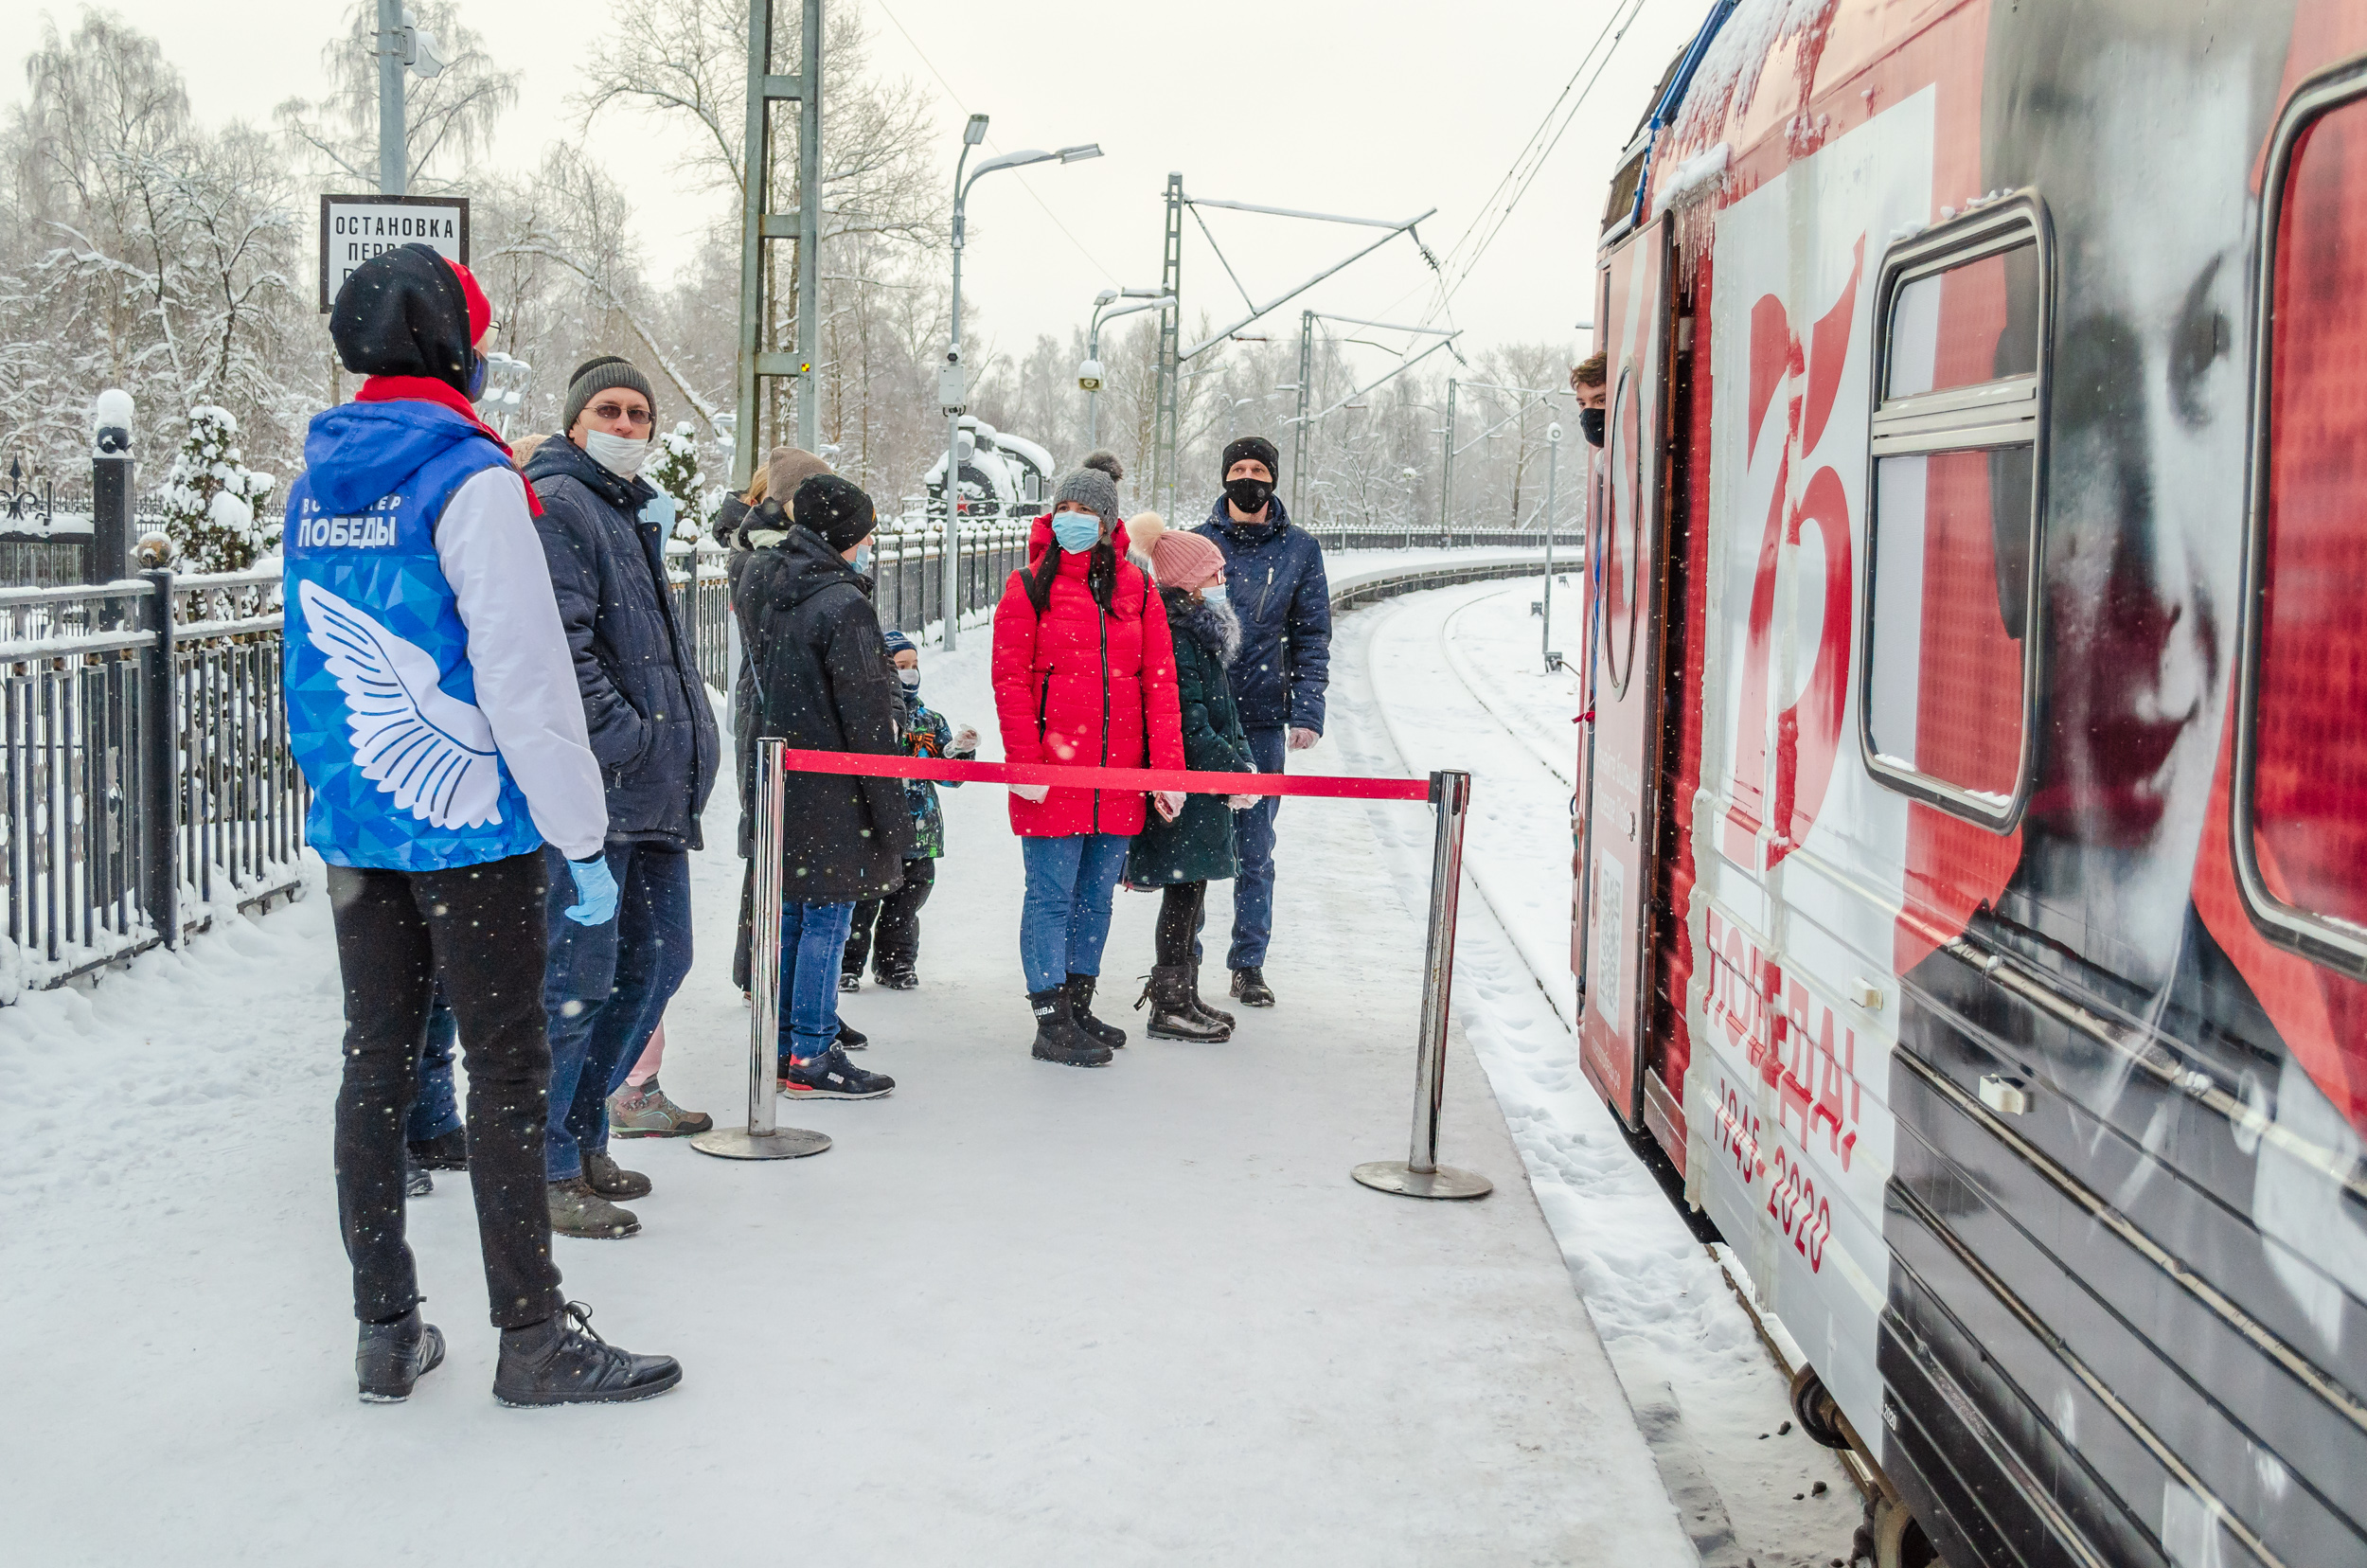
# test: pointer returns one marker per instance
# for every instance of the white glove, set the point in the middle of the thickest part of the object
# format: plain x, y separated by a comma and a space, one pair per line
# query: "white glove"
1242, 803
1302, 738
965, 738
1033, 793
1171, 802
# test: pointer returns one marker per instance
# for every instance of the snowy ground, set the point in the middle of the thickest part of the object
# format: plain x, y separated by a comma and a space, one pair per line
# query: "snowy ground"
1457, 678
1018, 1315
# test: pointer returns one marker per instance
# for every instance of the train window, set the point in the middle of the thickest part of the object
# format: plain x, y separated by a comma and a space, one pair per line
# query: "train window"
2300, 829
1950, 672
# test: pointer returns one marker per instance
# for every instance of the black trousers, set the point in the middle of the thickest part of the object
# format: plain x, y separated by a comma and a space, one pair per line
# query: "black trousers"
477, 930
897, 917
1180, 908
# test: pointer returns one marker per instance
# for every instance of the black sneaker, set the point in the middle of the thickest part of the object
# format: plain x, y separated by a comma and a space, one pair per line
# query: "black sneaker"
1250, 986
561, 1362
831, 1076
1080, 997
850, 982
393, 1356
850, 1038
416, 1182
445, 1152
902, 979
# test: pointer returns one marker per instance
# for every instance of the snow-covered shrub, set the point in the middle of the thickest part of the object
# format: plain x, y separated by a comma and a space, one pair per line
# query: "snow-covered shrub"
674, 469
210, 498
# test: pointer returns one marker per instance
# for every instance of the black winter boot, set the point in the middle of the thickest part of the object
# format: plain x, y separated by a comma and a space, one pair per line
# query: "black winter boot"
1081, 995
1169, 994
561, 1362
1191, 993
1250, 986
445, 1152
1057, 1038
393, 1356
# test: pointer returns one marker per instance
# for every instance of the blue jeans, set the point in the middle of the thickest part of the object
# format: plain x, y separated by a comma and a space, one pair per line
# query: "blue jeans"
606, 987
1064, 922
1253, 841
812, 937
434, 1109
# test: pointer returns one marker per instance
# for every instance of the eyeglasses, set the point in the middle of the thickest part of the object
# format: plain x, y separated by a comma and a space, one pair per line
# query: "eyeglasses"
634, 417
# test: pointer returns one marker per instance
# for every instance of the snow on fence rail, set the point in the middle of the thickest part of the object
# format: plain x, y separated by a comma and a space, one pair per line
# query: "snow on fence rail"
145, 773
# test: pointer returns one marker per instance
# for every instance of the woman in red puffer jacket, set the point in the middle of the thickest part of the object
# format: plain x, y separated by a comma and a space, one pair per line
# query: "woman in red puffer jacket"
1084, 676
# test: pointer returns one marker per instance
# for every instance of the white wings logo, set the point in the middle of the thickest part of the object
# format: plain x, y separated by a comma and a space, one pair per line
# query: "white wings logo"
430, 751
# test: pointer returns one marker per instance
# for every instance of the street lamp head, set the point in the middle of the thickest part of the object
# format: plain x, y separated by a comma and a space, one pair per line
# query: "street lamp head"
975, 131
1105, 296
1011, 160
1080, 153
1553, 433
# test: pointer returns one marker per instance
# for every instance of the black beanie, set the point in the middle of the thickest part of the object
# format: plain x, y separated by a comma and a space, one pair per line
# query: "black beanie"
834, 508
402, 313
1250, 446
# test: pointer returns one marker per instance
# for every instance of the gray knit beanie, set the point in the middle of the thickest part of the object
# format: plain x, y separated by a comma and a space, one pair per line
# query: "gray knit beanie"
1093, 490
596, 376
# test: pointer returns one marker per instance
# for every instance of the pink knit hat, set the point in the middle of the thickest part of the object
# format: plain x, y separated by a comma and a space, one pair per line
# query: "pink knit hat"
1183, 560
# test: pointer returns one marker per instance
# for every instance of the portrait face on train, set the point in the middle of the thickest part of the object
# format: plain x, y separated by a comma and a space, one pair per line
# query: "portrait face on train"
2143, 153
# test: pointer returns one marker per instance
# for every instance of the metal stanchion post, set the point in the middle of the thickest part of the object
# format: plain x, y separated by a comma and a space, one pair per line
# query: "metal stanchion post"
1419, 1174
761, 1139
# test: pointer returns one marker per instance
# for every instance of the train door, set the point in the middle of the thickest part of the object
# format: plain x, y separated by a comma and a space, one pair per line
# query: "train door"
1627, 541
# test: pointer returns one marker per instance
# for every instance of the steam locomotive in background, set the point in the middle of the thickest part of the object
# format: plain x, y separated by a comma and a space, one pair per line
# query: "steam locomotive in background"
1972, 886
1000, 474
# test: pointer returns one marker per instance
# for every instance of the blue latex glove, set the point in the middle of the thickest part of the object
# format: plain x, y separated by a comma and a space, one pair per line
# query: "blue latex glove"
661, 509
596, 892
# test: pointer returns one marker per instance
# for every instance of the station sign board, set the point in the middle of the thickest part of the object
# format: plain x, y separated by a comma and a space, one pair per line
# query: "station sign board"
354, 228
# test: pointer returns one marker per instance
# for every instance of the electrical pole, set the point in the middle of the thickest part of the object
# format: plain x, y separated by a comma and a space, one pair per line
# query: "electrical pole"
1553, 471
394, 175
758, 225
1163, 474
1298, 441
1446, 466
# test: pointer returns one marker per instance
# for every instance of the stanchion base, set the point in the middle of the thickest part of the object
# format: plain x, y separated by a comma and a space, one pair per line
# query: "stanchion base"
782, 1143
1402, 1178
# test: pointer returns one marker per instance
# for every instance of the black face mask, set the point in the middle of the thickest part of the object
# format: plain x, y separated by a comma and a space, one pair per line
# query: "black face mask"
1591, 425
1248, 494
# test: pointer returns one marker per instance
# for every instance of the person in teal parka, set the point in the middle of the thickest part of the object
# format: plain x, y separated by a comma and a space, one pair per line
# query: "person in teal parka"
1183, 855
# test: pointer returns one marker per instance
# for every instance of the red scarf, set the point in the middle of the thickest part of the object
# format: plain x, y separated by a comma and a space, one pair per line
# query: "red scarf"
444, 395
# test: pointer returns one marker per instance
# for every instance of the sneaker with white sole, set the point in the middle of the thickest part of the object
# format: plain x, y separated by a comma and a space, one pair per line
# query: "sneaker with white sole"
831, 1076
644, 1112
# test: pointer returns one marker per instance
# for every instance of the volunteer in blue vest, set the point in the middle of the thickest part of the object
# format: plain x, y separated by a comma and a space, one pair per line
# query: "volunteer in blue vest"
432, 708
604, 531
1274, 575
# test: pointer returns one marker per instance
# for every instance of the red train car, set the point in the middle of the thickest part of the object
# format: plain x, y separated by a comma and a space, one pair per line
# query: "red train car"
1971, 892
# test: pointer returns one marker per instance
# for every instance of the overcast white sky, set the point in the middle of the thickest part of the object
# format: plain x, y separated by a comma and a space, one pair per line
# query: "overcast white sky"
1374, 108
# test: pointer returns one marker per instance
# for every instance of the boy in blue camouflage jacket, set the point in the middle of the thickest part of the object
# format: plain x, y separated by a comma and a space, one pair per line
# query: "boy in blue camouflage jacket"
927, 733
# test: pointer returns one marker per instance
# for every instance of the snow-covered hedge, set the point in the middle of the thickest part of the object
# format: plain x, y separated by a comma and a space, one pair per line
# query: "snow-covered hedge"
210, 498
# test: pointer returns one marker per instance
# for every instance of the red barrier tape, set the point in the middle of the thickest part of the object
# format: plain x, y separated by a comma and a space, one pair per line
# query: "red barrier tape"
1106, 778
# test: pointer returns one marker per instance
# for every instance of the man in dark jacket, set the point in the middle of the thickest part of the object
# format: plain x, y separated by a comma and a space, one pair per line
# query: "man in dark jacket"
653, 732
823, 682
1274, 576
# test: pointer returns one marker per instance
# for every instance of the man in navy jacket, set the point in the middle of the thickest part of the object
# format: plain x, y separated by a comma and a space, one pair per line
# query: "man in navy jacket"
1275, 580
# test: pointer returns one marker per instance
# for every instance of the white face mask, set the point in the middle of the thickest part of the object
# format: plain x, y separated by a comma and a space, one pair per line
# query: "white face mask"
1213, 594
910, 677
616, 453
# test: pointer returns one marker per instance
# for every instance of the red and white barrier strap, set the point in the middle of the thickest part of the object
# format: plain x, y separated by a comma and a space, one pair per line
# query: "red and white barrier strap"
1061, 776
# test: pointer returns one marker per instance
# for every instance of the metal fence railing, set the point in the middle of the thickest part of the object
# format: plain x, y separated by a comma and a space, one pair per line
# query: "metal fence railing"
145, 773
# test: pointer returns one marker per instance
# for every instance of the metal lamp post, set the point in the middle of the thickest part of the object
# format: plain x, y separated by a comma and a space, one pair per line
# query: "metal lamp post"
1552, 469
951, 390
1088, 373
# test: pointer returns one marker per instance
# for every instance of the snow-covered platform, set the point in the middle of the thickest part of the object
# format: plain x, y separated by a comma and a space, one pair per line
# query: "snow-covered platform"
1019, 1313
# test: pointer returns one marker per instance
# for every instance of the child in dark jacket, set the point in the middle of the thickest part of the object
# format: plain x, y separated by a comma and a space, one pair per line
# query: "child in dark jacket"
897, 916
1183, 855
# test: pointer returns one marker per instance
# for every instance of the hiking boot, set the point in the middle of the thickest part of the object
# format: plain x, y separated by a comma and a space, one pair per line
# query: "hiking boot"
444, 1152
1169, 991
1191, 996
604, 1175
645, 1112
850, 1038
1081, 995
560, 1361
850, 982
898, 979
393, 1356
831, 1076
416, 1182
1250, 986
1057, 1038
576, 1210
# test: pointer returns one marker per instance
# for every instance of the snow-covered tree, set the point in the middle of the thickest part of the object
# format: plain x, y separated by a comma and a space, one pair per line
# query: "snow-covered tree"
674, 469
211, 499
